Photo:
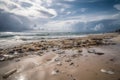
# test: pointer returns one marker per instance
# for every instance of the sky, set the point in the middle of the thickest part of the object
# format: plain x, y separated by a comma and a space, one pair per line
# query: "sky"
60, 15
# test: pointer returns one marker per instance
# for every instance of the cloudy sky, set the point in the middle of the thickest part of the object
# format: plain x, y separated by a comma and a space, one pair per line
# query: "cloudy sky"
60, 15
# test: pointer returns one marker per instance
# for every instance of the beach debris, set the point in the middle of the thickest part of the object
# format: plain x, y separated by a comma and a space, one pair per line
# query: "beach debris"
107, 71
57, 59
15, 52
2, 58
68, 60
17, 60
59, 63
75, 55
7, 74
6, 57
40, 53
80, 50
20, 51
71, 63
55, 49
44, 48
54, 72
11, 52
60, 52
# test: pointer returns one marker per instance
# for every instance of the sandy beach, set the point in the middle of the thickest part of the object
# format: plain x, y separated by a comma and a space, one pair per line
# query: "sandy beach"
95, 57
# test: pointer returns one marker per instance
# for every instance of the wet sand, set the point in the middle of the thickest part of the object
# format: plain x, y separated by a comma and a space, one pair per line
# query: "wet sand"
89, 58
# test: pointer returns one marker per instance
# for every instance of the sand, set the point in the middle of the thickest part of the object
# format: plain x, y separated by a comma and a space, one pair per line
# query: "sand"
66, 62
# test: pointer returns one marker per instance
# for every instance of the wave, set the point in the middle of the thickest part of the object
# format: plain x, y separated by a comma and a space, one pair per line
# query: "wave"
24, 36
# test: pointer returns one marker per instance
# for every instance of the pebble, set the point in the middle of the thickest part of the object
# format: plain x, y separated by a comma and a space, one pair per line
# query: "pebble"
59, 63
68, 60
91, 51
99, 53
71, 63
57, 59
95, 52
107, 71
17, 60
54, 72
80, 50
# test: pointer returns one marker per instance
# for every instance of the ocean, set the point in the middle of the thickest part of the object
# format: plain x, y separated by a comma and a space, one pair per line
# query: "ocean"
27, 36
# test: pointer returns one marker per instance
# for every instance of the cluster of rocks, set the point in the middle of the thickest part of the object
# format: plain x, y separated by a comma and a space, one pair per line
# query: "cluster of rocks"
95, 52
6, 57
55, 45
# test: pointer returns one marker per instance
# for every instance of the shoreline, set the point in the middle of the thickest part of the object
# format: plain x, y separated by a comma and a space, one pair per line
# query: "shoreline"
17, 42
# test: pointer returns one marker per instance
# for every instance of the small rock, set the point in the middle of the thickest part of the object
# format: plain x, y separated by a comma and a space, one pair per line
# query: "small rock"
80, 50
59, 63
40, 54
2, 58
43, 48
60, 52
11, 52
68, 60
103, 70
71, 63
99, 53
112, 60
20, 51
107, 71
110, 72
48, 59
17, 60
91, 51
15, 52
57, 59
6, 57
54, 72
95, 52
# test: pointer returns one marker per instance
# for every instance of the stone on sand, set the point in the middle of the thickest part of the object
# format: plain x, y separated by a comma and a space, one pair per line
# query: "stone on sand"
107, 71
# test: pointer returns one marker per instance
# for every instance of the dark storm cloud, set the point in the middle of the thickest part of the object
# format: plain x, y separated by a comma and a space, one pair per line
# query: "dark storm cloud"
10, 22
98, 26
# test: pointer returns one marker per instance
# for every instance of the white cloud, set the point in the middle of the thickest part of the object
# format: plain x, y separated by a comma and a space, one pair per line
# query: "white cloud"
69, 24
98, 27
34, 11
59, 25
117, 6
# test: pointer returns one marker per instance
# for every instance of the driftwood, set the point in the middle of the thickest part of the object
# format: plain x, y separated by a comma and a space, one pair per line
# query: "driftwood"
7, 74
